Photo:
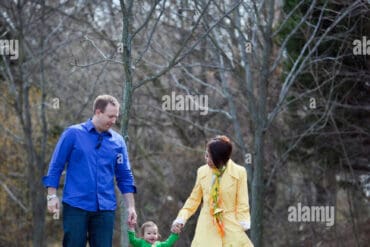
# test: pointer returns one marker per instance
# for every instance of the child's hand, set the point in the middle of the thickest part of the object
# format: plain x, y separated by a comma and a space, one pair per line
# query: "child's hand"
176, 227
131, 226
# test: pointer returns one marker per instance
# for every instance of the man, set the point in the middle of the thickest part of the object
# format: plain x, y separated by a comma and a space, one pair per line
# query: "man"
94, 154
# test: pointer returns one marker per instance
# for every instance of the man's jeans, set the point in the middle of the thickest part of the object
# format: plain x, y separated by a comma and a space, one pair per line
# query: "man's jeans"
80, 225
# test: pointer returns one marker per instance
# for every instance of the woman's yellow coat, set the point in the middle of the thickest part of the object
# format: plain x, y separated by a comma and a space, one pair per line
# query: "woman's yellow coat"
235, 204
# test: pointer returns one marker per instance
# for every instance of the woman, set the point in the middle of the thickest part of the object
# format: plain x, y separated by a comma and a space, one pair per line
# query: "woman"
222, 185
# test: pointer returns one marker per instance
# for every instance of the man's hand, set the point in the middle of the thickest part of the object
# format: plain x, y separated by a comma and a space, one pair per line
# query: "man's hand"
53, 206
131, 212
131, 217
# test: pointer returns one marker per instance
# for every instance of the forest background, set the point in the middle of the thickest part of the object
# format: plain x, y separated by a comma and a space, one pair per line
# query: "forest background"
287, 81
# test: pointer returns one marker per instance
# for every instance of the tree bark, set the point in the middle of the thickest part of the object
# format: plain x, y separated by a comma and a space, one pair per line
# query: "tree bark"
127, 100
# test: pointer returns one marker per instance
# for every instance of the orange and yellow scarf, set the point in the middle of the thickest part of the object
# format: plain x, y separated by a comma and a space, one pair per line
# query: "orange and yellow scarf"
216, 201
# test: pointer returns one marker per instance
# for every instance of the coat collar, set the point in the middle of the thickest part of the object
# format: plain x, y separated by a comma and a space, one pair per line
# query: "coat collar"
231, 169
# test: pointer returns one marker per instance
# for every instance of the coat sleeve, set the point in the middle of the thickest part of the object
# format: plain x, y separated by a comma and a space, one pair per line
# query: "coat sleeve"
170, 241
134, 241
192, 203
242, 207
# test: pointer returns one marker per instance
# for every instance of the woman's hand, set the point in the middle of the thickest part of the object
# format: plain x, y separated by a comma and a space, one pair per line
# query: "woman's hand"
177, 227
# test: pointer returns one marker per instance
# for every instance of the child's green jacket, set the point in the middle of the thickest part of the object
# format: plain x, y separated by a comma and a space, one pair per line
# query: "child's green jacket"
139, 242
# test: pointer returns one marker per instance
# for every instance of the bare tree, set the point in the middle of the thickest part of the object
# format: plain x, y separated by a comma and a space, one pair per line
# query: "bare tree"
129, 33
252, 51
28, 94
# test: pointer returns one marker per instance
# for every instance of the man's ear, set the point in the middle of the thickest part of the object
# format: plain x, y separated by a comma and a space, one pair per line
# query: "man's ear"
97, 111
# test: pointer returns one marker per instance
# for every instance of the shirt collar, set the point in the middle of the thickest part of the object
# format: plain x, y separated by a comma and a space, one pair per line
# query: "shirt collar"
90, 127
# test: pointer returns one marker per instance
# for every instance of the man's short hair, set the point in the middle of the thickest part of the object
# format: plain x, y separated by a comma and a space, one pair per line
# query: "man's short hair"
102, 101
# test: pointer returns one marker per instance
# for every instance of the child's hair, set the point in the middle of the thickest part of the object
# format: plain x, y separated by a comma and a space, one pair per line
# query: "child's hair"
146, 225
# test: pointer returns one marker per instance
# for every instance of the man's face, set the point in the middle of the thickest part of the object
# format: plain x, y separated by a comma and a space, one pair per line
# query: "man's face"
106, 119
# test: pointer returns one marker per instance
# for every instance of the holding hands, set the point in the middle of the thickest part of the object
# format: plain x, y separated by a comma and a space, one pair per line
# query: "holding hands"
131, 217
177, 226
131, 226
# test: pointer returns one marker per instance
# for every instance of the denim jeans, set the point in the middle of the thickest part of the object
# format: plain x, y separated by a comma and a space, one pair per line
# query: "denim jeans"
81, 226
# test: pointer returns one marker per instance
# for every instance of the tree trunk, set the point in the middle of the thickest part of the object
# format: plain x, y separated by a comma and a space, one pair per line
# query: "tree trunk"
33, 163
257, 188
127, 101
260, 124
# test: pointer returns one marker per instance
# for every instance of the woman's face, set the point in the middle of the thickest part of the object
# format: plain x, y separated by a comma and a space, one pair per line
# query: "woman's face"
208, 158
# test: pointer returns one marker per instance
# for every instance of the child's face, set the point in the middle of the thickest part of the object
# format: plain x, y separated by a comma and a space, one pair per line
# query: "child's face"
151, 234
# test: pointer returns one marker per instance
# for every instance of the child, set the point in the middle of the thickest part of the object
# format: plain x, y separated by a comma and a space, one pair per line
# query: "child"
150, 235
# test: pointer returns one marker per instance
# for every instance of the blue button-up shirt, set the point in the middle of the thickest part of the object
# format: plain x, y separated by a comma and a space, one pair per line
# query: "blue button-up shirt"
93, 159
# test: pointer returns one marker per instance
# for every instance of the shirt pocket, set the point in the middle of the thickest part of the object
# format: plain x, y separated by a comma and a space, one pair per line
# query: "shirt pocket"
109, 155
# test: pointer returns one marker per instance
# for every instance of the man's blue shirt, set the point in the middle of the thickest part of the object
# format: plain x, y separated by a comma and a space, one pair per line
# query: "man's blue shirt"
93, 160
